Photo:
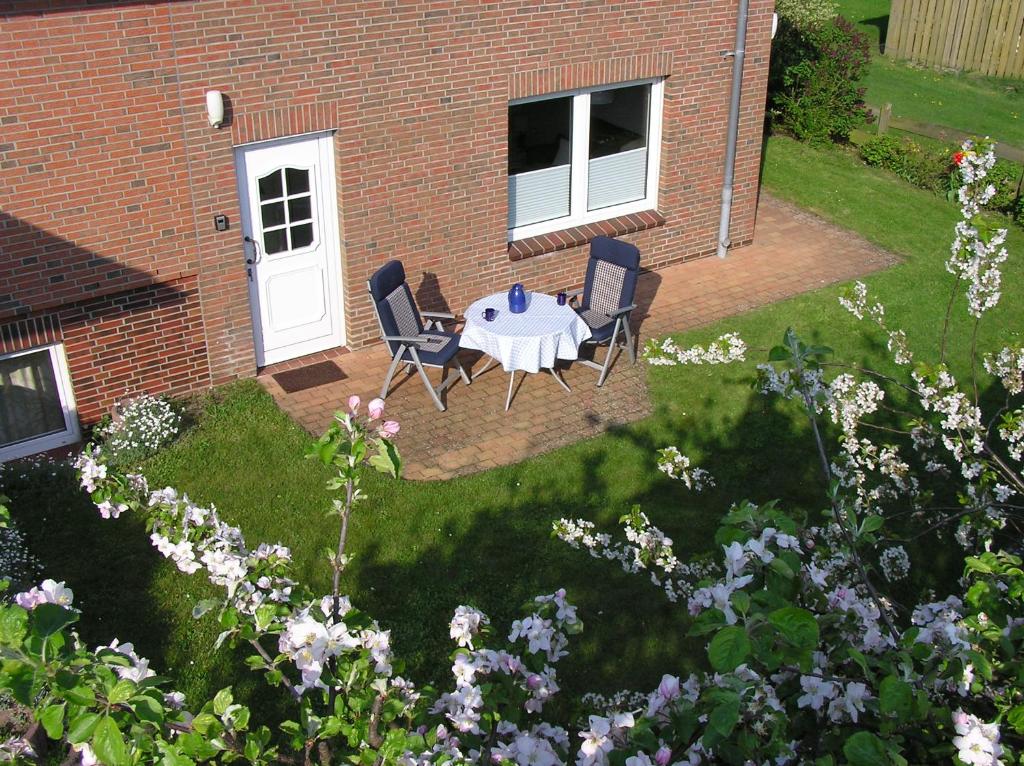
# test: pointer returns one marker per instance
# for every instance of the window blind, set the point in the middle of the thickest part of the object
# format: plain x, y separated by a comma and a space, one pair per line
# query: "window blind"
538, 195
617, 178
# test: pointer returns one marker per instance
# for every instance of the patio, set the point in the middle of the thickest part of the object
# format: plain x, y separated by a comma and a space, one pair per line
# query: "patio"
792, 252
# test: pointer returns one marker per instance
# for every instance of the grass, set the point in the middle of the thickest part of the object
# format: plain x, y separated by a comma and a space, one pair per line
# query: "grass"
422, 548
968, 102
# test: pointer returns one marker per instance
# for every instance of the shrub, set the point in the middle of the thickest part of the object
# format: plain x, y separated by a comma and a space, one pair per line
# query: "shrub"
1005, 176
139, 429
804, 14
925, 168
813, 89
936, 171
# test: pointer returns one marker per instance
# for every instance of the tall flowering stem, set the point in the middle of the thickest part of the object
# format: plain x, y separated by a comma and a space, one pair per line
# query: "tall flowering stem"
346, 446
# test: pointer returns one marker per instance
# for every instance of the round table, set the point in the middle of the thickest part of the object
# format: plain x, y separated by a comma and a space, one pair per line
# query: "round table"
530, 341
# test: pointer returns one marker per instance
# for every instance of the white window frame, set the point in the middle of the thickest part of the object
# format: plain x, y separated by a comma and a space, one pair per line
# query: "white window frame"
71, 432
579, 173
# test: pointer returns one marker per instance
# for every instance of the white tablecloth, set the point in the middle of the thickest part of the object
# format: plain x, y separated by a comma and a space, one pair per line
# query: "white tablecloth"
530, 341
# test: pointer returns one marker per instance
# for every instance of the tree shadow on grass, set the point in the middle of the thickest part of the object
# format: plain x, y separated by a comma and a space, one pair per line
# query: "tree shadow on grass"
504, 555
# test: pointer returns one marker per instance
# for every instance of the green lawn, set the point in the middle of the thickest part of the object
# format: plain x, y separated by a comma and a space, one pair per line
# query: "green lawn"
967, 102
423, 548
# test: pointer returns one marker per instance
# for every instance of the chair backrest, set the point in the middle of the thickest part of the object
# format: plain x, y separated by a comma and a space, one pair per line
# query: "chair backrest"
611, 275
393, 303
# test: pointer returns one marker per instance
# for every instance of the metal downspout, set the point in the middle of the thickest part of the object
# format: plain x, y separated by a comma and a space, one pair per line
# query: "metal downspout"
734, 123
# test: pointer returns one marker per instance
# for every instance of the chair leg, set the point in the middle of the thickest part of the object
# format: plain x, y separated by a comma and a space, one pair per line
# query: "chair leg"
426, 380
462, 371
391, 372
630, 341
612, 342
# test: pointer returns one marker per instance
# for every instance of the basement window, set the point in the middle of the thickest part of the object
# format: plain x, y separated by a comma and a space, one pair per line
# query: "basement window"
584, 156
37, 407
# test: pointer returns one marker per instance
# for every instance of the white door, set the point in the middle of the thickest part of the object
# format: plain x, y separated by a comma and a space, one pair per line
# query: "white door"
290, 224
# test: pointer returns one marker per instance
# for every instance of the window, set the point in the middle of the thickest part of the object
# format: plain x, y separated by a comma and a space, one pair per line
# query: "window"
37, 408
286, 210
576, 158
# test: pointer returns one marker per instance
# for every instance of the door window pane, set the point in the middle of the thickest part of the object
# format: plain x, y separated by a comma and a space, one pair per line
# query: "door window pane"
539, 160
298, 180
619, 120
302, 235
275, 241
30, 404
272, 214
270, 186
300, 209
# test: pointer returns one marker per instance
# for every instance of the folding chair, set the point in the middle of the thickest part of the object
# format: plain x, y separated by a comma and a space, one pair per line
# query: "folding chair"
607, 298
408, 339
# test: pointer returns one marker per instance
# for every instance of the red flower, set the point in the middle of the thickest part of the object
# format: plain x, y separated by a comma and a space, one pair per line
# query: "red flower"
958, 157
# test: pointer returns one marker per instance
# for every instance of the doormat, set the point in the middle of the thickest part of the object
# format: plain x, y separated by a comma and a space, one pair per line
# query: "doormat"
309, 377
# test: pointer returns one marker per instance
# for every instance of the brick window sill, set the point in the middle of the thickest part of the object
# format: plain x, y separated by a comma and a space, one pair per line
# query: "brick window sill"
580, 235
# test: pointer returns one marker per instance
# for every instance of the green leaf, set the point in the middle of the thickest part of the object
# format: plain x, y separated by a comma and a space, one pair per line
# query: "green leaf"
81, 695
865, 749
895, 696
52, 719
778, 354
725, 716
708, 621
1016, 718
204, 723
729, 648
108, 743
871, 524
223, 699
13, 625
148, 709
48, 619
82, 727
121, 692
797, 626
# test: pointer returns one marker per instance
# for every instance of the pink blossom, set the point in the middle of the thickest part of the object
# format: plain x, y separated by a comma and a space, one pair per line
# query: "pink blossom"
388, 428
353, 403
663, 756
376, 408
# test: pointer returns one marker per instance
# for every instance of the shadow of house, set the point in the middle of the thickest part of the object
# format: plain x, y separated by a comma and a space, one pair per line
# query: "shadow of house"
124, 330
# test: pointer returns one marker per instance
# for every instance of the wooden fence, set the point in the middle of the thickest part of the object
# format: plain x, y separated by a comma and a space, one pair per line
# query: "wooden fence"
978, 35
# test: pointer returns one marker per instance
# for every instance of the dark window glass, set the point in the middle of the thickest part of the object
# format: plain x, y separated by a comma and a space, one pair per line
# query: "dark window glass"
299, 209
29, 400
298, 180
302, 235
539, 135
618, 120
270, 186
275, 241
272, 213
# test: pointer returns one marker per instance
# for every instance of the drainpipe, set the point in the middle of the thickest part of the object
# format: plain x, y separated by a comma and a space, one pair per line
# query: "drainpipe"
734, 124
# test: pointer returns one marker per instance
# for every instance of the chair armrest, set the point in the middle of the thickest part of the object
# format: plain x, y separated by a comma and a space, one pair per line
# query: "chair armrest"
437, 314
572, 295
404, 339
623, 310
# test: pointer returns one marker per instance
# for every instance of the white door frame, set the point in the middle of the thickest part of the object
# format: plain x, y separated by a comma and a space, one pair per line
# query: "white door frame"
326, 193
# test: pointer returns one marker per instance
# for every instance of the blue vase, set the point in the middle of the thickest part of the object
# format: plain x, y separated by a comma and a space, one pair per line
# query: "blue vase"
517, 299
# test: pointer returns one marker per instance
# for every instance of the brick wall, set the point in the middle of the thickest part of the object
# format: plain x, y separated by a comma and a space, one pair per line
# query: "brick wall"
112, 174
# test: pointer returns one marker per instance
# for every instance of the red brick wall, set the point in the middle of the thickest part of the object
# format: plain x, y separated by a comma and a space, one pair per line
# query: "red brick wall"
112, 174
148, 340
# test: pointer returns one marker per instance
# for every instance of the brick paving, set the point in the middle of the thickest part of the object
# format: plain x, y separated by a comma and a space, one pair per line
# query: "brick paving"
793, 252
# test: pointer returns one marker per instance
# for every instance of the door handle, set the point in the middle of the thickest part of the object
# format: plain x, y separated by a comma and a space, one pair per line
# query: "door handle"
256, 251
